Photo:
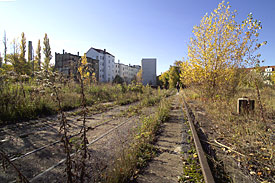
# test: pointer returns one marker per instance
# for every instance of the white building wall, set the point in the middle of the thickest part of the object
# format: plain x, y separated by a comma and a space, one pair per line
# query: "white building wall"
268, 71
116, 70
106, 64
108, 69
127, 72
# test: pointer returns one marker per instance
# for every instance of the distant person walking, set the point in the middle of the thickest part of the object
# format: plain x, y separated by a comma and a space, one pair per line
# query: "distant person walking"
178, 86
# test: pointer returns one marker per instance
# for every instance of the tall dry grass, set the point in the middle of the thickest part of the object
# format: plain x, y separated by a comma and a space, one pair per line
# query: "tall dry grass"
250, 140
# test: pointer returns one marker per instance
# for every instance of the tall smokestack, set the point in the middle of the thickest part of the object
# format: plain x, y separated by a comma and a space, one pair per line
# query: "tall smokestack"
30, 51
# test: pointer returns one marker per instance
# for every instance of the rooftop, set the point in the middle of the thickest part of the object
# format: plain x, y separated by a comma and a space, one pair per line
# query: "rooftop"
262, 68
100, 51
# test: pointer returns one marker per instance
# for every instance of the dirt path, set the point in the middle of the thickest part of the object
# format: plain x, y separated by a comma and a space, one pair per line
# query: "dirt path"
167, 166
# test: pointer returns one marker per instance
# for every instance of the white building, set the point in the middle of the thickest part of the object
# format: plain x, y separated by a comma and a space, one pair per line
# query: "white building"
106, 63
127, 72
268, 70
149, 70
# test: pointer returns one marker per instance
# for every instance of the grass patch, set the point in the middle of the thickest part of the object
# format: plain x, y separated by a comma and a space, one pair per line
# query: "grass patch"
191, 166
25, 100
152, 98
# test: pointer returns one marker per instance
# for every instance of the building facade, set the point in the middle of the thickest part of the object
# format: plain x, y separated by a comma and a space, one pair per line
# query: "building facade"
106, 63
127, 72
149, 71
268, 70
67, 64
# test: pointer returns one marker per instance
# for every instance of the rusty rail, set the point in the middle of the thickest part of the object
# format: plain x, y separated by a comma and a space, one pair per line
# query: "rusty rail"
207, 174
92, 142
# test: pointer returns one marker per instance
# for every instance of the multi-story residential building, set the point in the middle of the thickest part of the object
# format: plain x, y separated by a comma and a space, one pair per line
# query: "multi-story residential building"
268, 70
127, 72
149, 70
133, 70
106, 63
67, 64
265, 70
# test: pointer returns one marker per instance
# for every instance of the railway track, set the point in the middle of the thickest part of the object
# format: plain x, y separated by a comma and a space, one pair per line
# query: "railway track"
207, 174
32, 129
51, 154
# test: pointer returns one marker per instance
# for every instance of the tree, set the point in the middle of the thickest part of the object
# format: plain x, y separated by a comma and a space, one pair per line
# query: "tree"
38, 55
83, 69
22, 48
164, 79
174, 76
47, 52
139, 76
1, 60
218, 48
13, 58
273, 77
5, 47
25, 67
118, 80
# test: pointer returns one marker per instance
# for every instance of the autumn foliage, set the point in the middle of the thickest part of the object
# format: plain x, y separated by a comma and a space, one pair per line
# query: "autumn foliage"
219, 47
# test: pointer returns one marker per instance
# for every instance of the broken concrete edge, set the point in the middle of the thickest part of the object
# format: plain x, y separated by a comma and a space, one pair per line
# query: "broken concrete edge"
207, 174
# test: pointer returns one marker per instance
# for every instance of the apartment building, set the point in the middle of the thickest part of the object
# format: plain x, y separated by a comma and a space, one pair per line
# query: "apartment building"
106, 63
268, 70
265, 70
127, 72
67, 64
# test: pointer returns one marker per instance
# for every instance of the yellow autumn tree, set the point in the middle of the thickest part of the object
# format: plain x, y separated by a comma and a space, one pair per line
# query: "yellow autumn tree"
164, 79
139, 76
218, 48
83, 70
273, 77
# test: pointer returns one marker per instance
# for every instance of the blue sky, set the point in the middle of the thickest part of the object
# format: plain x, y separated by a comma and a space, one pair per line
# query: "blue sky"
129, 29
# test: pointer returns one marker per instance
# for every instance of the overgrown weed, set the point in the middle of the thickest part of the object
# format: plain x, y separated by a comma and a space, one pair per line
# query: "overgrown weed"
25, 98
